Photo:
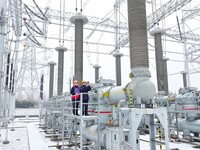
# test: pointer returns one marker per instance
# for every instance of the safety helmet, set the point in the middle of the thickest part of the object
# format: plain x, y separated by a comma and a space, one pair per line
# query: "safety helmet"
75, 81
83, 81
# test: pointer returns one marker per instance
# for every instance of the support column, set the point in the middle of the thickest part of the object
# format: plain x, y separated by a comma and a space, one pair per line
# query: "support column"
79, 21
51, 78
3, 9
159, 58
139, 57
118, 67
61, 51
96, 67
42, 87
152, 134
166, 88
7, 103
184, 78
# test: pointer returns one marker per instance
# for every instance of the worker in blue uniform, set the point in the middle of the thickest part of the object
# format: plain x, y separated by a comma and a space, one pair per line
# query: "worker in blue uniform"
75, 92
84, 89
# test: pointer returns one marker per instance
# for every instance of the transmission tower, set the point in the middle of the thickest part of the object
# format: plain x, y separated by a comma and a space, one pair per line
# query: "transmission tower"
28, 81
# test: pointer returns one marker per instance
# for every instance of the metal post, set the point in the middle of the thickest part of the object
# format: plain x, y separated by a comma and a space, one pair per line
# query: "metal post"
42, 87
7, 103
118, 67
41, 97
51, 78
186, 58
166, 88
152, 132
14, 76
63, 125
70, 83
159, 58
79, 21
184, 78
7, 70
6, 139
2, 48
61, 51
96, 67
81, 123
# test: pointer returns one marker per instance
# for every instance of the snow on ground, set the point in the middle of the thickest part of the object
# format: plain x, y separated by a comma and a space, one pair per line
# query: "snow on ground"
18, 139
26, 112
181, 146
28, 136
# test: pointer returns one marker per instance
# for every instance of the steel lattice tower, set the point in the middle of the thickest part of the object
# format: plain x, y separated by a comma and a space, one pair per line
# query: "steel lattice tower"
28, 81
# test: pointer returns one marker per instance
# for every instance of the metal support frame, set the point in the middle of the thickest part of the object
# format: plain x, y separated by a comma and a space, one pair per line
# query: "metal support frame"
134, 116
3, 9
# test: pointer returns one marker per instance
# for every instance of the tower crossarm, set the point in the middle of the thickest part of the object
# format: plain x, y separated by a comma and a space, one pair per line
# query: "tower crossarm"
94, 21
193, 53
185, 36
164, 11
191, 13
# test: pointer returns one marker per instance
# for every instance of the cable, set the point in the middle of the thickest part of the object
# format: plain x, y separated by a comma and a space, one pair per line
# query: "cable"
26, 24
85, 4
81, 10
88, 54
36, 42
40, 32
76, 9
63, 22
179, 28
40, 10
60, 23
26, 7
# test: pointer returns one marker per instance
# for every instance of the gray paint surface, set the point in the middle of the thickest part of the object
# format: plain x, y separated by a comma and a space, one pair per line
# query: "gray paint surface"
138, 33
61, 51
96, 67
78, 74
51, 78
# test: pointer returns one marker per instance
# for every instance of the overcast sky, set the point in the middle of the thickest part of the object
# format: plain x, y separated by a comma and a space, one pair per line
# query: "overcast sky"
100, 8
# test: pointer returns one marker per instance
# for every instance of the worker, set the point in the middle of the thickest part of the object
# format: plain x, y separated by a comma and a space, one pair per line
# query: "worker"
75, 92
85, 88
